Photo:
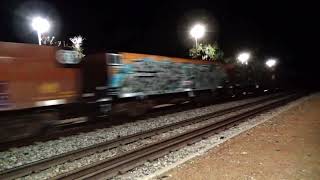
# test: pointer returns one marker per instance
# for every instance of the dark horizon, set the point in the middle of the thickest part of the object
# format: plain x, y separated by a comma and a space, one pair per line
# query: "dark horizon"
266, 29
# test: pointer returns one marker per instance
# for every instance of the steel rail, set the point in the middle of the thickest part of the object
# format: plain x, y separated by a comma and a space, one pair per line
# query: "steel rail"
41, 165
124, 162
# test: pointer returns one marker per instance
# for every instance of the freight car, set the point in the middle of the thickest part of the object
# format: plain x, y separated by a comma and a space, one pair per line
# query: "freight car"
138, 82
42, 86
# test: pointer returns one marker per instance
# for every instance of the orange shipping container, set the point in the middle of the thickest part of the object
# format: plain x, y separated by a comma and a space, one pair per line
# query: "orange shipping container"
30, 76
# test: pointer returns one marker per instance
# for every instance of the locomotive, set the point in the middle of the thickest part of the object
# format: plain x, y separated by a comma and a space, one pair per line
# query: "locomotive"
44, 86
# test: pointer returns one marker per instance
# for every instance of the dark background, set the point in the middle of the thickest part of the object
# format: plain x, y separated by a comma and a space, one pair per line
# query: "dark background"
280, 29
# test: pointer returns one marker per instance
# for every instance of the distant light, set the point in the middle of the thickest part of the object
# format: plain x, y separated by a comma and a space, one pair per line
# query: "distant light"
243, 57
271, 63
198, 31
40, 24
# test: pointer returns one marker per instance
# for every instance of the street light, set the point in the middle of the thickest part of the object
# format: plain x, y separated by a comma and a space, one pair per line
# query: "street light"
271, 63
197, 32
243, 57
40, 25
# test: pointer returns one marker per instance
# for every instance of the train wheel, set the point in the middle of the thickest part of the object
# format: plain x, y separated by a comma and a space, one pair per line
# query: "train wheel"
19, 128
138, 108
45, 120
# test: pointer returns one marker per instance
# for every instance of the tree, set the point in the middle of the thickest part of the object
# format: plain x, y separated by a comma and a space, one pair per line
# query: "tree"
50, 41
206, 52
77, 45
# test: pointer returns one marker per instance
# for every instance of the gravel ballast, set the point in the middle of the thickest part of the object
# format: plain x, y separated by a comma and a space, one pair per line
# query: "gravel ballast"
56, 170
154, 169
23, 155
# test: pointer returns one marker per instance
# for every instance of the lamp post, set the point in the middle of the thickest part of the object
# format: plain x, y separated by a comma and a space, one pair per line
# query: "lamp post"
244, 57
197, 31
270, 63
40, 25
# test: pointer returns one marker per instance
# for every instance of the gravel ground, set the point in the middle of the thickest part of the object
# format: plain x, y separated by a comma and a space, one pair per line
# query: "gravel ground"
154, 169
23, 155
284, 147
56, 170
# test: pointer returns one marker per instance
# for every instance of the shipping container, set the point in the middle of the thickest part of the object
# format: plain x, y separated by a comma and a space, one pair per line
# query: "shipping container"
31, 76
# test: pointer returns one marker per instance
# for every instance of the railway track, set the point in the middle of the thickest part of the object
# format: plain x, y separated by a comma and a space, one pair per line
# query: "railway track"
77, 154
69, 130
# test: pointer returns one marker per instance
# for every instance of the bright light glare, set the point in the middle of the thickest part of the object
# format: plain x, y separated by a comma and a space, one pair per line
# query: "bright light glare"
243, 57
41, 25
197, 31
271, 62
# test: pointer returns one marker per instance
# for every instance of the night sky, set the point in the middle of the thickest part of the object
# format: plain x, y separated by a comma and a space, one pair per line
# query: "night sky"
281, 29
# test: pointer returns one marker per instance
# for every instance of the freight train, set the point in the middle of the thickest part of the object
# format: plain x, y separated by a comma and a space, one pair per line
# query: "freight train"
43, 86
